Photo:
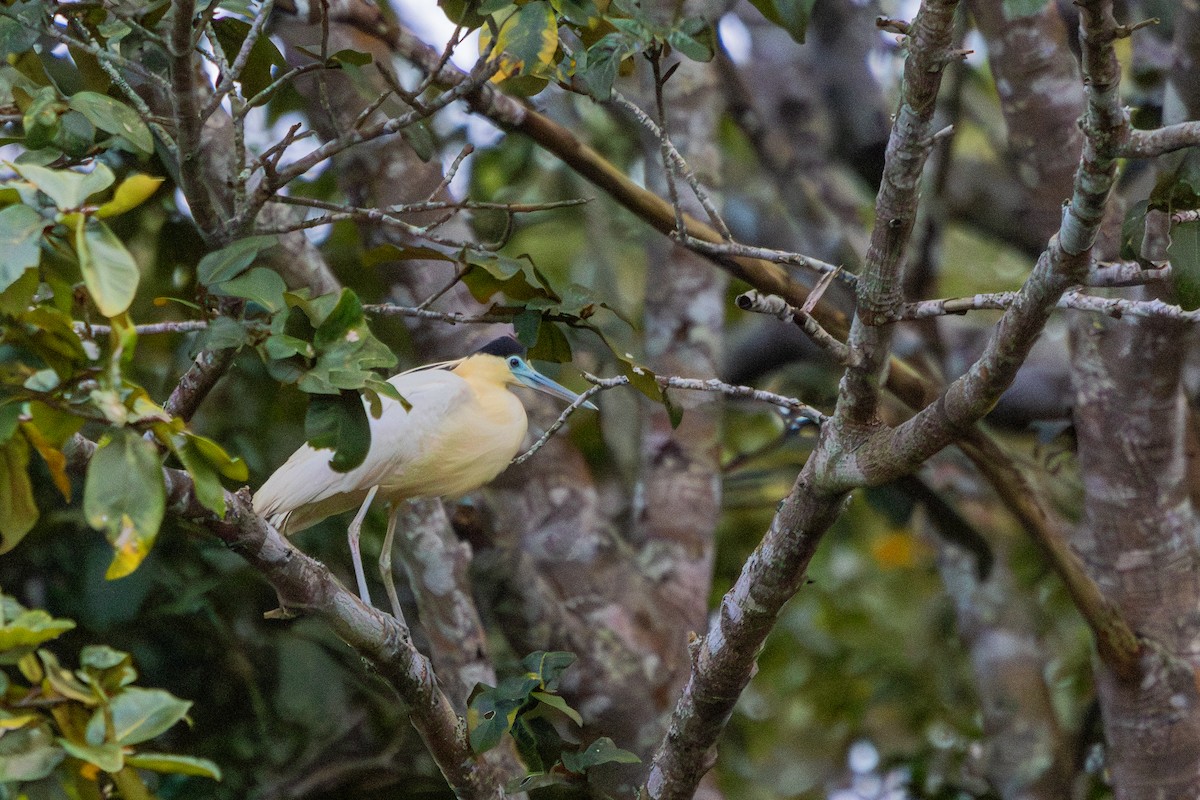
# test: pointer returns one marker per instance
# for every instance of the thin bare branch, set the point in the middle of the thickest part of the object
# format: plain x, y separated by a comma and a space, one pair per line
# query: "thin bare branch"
775, 306
674, 160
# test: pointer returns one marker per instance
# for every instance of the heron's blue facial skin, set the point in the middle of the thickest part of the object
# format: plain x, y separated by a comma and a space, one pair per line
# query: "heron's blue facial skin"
536, 380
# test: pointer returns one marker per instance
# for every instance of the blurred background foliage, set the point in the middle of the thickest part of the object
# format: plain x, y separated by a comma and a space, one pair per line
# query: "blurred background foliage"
863, 680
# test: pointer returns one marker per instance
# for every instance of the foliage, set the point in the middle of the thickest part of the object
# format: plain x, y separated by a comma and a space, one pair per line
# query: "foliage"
524, 707
79, 729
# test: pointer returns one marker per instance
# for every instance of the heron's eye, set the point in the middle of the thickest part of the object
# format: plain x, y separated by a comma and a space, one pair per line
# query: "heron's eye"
514, 362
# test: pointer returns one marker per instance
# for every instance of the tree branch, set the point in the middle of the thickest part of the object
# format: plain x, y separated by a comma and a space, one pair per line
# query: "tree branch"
304, 584
188, 124
879, 283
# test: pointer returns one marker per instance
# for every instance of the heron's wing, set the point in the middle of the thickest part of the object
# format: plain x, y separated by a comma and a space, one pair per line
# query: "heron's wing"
306, 489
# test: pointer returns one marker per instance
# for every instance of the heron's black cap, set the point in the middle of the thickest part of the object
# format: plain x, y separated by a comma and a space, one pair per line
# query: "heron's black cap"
503, 347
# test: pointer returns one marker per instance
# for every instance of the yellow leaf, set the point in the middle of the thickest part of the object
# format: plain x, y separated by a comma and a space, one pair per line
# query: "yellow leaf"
55, 461
130, 549
12, 723
133, 191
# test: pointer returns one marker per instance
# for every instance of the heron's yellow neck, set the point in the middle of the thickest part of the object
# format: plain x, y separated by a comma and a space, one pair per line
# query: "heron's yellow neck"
485, 372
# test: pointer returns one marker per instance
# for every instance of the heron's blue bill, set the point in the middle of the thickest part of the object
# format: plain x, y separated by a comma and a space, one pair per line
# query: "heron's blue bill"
536, 380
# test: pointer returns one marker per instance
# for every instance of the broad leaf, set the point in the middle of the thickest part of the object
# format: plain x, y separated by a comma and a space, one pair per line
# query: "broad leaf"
259, 285
209, 490
130, 193
108, 268
179, 765
137, 715
791, 15
492, 711
24, 629
125, 497
339, 422
18, 512
20, 242
256, 76
113, 116
30, 754
548, 667
558, 703
601, 751
231, 260
66, 188
107, 757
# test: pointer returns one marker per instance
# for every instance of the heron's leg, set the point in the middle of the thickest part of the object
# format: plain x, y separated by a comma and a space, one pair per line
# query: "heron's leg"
355, 553
385, 560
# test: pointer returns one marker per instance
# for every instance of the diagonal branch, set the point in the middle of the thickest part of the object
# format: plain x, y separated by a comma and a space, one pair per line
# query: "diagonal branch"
304, 584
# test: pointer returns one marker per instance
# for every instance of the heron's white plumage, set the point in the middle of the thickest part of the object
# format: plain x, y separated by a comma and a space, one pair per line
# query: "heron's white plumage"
463, 429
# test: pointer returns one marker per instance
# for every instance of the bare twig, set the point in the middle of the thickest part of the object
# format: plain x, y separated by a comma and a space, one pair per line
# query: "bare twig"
776, 306
234, 72
674, 160
151, 329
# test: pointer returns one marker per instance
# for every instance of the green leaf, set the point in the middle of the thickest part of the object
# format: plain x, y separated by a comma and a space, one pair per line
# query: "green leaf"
137, 715
259, 285
109, 271
75, 135
10, 418
1133, 230
113, 116
232, 260
223, 333
20, 242
179, 765
640, 378
130, 193
18, 512
256, 76
492, 273
556, 702
492, 711
19, 294
529, 35
1184, 252
19, 31
66, 188
791, 15
209, 490
229, 466
355, 57
386, 253
28, 754
125, 497
601, 751
695, 39
548, 666
41, 119
538, 743
25, 629
551, 345
597, 67
107, 757
339, 422
101, 657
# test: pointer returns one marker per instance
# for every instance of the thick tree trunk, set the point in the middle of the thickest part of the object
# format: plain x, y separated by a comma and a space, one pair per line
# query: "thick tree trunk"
1139, 538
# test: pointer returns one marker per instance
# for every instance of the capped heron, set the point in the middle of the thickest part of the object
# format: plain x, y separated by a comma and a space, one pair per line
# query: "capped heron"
463, 429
